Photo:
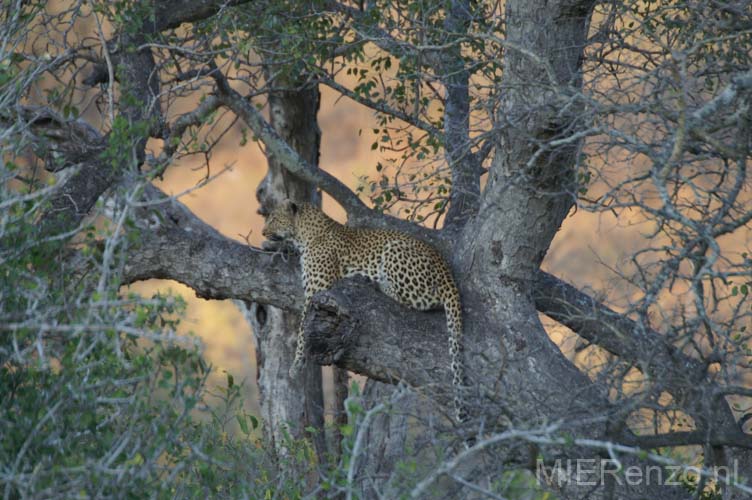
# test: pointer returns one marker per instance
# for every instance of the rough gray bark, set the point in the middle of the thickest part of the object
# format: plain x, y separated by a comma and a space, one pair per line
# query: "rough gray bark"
465, 195
386, 439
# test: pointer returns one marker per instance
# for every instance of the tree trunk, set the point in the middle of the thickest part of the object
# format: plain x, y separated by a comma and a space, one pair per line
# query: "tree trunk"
386, 439
288, 404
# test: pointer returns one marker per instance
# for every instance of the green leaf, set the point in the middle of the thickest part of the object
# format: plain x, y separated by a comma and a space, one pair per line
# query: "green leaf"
243, 424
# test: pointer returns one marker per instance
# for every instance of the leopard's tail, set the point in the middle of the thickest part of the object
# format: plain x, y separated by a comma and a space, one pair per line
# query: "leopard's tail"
453, 311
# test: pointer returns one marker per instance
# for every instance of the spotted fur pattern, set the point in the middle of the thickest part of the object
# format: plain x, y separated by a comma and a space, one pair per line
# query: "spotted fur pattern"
406, 269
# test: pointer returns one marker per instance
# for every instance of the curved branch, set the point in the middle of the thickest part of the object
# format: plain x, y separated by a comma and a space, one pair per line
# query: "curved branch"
606, 328
215, 268
177, 245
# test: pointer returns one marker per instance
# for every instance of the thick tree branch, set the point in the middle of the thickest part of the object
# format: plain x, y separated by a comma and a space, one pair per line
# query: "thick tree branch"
523, 205
359, 329
356, 327
200, 262
175, 244
606, 328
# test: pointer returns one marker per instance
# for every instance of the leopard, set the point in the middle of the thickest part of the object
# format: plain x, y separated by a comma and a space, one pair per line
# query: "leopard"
406, 269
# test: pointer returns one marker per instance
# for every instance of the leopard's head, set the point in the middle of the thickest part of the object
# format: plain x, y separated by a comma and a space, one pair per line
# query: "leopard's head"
280, 224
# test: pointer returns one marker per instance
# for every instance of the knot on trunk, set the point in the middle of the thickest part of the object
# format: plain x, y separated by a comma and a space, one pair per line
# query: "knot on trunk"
330, 329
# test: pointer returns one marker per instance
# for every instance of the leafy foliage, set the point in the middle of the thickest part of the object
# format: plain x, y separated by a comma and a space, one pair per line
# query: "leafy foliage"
98, 396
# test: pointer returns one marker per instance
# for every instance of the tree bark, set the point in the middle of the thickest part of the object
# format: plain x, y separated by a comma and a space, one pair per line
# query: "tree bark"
465, 194
386, 439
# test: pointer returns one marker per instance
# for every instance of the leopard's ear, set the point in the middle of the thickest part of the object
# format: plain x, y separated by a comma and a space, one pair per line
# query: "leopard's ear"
290, 206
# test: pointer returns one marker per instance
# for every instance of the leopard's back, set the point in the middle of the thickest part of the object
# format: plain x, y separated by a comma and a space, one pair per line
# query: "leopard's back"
406, 269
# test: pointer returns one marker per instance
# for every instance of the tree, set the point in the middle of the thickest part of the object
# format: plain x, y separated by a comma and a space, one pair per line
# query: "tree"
286, 401
496, 122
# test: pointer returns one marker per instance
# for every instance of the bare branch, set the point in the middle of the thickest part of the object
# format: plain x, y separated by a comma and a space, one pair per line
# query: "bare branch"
281, 150
381, 107
739, 85
684, 377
